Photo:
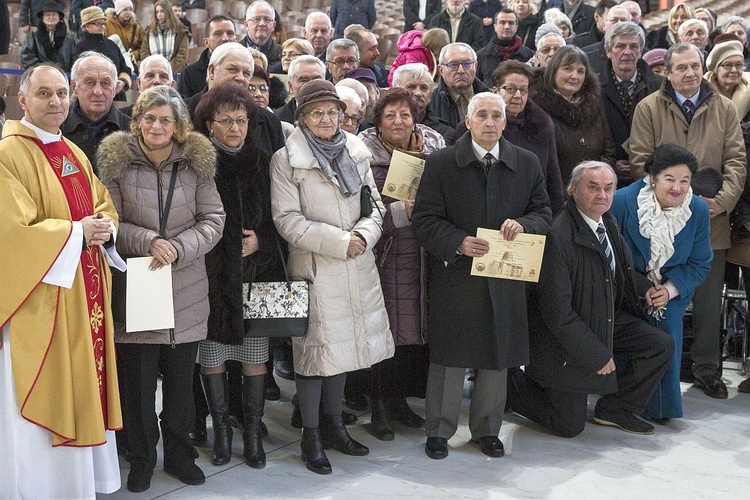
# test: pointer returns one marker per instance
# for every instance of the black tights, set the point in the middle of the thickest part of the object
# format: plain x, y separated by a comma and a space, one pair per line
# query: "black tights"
310, 390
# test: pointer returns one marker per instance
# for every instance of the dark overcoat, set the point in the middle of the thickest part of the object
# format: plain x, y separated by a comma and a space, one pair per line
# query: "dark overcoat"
574, 306
474, 321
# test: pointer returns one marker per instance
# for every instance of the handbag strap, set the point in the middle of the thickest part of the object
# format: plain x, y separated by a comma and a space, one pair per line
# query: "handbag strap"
165, 212
283, 263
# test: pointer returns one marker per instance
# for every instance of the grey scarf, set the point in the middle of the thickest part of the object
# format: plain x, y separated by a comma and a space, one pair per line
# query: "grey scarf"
335, 161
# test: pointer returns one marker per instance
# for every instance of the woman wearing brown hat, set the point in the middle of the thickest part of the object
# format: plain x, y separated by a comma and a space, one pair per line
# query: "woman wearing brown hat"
325, 204
91, 37
725, 66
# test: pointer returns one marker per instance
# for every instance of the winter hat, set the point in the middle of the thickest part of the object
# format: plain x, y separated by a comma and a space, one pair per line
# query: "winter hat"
655, 57
91, 15
52, 6
121, 5
721, 52
546, 29
317, 91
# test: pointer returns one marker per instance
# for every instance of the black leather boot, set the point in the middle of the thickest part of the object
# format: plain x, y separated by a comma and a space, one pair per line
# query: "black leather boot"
217, 393
380, 423
334, 435
313, 453
253, 401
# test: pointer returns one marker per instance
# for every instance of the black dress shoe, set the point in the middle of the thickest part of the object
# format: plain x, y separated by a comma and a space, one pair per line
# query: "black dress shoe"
349, 418
744, 386
436, 448
284, 369
712, 385
334, 435
622, 419
661, 420
139, 477
357, 402
399, 410
490, 446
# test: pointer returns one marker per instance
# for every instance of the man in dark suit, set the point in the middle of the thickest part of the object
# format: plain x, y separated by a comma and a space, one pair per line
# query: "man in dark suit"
595, 51
461, 25
415, 18
626, 80
587, 333
505, 45
580, 14
483, 181
193, 76
260, 21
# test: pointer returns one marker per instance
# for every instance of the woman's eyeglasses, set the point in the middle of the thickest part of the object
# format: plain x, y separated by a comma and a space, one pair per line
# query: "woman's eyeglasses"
333, 114
164, 121
228, 122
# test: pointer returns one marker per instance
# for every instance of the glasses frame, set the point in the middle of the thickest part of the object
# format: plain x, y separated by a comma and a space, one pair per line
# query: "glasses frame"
453, 66
164, 121
228, 122
507, 88
334, 114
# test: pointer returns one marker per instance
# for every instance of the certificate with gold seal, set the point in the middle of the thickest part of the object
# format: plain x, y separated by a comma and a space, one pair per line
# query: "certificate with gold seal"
404, 174
520, 259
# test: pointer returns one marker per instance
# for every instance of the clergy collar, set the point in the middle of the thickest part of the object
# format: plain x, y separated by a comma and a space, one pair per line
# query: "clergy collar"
42, 135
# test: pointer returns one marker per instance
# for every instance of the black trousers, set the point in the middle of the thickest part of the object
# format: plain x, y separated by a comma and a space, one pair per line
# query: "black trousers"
139, 370
642, 354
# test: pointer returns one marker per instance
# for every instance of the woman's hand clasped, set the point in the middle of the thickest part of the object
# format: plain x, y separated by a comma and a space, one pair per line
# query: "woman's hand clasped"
249, 242
163, 252
357, 245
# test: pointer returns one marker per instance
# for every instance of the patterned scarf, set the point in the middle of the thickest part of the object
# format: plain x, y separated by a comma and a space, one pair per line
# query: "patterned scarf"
335, 161
415, 147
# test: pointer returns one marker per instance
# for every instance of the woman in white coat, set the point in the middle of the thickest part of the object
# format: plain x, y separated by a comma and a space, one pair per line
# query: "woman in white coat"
318, 182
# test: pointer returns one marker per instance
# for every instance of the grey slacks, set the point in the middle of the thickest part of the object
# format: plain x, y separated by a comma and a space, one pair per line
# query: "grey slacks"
443, 401
706, 348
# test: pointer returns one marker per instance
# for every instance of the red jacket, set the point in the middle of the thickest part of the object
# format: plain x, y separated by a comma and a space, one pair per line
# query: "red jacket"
411, 50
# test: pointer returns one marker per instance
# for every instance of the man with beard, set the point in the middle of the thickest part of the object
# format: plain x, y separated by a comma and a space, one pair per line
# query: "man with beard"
504, 46
461, 25
416, 78
369, 54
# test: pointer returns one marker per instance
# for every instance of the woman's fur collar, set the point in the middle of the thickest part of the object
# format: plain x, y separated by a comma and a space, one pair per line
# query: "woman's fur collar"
119, 151
575, 115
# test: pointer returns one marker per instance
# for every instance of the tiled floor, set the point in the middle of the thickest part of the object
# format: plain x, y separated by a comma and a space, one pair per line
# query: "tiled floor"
703, 456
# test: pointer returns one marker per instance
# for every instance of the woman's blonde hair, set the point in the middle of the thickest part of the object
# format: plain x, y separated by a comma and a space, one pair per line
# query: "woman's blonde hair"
435, 39
300, 45
162, 95
532, 6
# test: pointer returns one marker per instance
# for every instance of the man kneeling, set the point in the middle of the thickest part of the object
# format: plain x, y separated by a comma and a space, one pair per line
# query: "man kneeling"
584, 314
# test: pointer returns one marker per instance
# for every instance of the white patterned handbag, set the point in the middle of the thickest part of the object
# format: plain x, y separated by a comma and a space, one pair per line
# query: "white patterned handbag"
276, 308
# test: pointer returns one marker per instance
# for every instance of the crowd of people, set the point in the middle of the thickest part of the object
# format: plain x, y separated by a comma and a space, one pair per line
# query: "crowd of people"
267, 159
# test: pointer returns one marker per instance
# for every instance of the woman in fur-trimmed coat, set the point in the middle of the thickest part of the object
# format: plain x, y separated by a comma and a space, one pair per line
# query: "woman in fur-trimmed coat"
570, 94
137, 168
38, 47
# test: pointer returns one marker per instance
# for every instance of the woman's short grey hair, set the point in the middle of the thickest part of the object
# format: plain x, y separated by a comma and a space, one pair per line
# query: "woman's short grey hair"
162, 95
340, 44
349, 94
355, 85
484, 95
734, 20
577, 173
441, 58
410, 71
627, 28
305, 60
86, 56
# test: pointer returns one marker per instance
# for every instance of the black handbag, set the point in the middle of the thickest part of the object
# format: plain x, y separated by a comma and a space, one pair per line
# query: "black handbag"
276, 308
120, 278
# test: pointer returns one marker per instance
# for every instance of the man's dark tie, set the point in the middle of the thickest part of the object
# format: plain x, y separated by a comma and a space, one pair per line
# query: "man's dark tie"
627, 87
488, 161
601, 232
689, 108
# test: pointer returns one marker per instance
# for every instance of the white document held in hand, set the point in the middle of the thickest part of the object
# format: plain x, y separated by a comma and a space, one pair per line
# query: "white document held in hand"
149, 304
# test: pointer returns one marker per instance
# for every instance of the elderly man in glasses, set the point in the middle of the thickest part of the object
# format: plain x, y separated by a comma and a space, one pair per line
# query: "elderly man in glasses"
458, 83
342, 56
260, 21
